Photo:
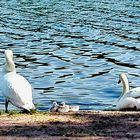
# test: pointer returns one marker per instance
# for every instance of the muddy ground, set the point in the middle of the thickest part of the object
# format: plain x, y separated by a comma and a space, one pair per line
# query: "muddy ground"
83, 125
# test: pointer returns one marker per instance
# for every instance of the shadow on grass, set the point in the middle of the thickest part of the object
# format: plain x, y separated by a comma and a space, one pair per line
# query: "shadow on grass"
102, 125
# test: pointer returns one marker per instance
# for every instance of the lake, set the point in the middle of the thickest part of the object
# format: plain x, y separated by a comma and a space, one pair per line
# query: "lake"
73, 50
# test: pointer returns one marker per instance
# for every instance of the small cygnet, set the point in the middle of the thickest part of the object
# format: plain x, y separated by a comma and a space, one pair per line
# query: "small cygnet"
63, 107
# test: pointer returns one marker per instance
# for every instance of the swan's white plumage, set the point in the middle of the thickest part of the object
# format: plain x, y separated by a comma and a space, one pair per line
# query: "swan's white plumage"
74, 108
63, 108
135, 92
15, 88
129, 98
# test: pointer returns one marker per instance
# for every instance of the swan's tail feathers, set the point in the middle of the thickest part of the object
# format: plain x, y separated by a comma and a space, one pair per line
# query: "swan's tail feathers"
29, 107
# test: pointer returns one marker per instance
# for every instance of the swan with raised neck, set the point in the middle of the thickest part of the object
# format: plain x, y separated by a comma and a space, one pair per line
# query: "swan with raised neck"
123, 78
15, 88
130, 99
9, 64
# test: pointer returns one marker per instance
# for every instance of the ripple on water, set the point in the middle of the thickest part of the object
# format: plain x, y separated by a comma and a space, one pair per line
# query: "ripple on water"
72, 51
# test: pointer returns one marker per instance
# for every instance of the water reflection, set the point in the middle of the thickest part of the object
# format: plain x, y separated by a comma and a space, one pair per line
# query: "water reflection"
74, 50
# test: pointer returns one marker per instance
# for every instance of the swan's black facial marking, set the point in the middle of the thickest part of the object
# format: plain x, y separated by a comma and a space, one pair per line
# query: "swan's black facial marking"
119, 81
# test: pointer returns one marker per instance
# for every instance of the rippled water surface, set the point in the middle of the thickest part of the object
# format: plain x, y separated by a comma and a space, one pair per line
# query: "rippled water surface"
73, 50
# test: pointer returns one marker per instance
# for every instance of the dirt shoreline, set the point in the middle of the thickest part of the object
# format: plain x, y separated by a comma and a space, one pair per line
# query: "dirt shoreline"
82, 125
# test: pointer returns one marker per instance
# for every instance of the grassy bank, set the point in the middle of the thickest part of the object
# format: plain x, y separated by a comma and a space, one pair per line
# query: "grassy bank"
79, 125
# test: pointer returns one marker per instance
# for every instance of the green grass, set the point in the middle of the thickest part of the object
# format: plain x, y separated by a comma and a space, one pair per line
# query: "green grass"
16, 112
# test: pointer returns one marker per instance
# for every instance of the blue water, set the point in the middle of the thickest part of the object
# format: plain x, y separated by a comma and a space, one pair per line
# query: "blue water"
73, 50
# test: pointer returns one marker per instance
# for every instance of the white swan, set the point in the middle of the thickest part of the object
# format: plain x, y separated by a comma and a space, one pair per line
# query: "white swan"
130, 99
15, 88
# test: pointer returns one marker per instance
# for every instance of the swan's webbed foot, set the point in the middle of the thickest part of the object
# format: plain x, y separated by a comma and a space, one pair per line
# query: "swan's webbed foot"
129, 109
25, 111
28, 112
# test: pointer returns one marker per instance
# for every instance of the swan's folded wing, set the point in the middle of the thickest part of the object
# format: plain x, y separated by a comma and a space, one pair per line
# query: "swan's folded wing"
18, 91
135, 93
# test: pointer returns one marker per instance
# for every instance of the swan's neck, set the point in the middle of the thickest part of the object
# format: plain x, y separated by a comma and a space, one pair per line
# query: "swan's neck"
9, 65
125, 85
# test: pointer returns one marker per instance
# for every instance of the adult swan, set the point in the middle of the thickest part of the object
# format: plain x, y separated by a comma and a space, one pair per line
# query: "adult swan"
15, 88
130, 99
